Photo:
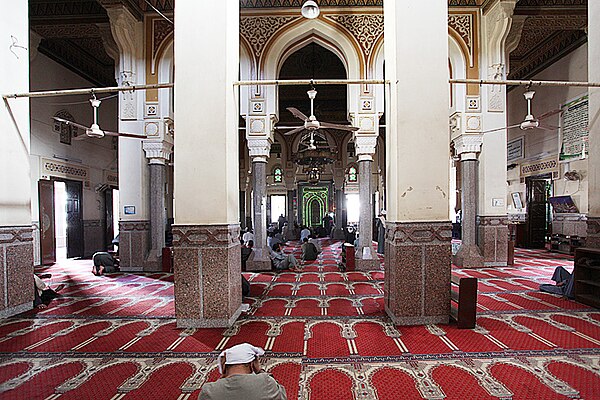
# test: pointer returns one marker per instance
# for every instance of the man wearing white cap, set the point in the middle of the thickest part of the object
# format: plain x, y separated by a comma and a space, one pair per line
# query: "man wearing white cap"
242, 377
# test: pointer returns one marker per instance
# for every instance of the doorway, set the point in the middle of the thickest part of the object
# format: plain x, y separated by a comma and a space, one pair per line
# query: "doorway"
61, 220
111, 217
538, 217
277, 207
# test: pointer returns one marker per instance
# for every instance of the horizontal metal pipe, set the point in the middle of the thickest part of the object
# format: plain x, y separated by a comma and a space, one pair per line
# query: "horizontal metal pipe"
291, 82
523, 83
67, 92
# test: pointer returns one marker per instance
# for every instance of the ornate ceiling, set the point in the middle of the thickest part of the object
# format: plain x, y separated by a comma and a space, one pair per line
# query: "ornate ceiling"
72, 31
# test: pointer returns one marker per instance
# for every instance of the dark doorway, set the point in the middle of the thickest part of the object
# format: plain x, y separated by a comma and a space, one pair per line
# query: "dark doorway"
537, 221
74, 219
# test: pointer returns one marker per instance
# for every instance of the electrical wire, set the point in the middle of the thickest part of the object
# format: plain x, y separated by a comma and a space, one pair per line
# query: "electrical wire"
159, 13
81, 102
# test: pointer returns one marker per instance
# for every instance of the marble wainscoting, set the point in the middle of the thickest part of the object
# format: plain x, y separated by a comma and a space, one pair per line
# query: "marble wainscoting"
208, 291
134, 245
569, 224
593, 233
16, 270
492, 234
93, 237
418, 260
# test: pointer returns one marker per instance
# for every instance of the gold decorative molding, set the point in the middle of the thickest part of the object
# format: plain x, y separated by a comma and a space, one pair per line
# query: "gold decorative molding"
257, 30
462, 24
365, 28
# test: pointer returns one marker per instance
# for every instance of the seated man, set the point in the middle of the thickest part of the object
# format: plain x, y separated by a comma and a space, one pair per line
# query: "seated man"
103, 262
246, 252
309, 251
242, 377
245, 287
564, 283
43, 294
282, 261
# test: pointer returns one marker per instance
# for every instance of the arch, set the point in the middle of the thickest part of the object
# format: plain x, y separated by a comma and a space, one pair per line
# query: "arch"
458, 65
298, 35
376, 67
247, 72
166, 74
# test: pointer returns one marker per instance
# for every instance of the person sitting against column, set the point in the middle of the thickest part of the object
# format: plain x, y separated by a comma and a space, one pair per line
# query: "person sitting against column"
246, 252
282, 261
103, 262
309, 251
43, 294
247, 236
304, 233
242, 377
564, 283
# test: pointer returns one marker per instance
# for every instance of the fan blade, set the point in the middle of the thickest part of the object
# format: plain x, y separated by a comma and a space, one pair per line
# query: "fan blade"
500, 129
547, 127
66, 121
296, 130
549, 114
131, 135
83, 136
297, 113
338, 126
289, 127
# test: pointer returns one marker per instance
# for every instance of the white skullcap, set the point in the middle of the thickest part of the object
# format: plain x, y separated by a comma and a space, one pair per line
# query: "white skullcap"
240, 354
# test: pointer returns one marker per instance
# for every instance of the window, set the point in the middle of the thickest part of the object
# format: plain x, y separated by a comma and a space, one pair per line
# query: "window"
277, 175
352, 174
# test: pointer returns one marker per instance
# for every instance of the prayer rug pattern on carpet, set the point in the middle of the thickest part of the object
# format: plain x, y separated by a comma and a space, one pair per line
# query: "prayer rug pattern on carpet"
325, 332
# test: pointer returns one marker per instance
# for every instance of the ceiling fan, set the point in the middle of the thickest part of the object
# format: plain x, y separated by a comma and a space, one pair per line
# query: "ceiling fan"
311, 123
530, 122
94, 131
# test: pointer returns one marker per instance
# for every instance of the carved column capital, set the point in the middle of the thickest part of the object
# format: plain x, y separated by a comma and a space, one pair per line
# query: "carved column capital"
157, 151
365, 146
468, 146
259, 149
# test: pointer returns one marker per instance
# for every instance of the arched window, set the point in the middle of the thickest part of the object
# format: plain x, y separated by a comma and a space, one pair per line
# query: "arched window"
277, 175
352, 174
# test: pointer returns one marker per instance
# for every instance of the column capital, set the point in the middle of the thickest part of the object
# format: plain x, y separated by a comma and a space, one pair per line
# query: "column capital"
259, 148
365, 146
465, 123
467, 146
157, 151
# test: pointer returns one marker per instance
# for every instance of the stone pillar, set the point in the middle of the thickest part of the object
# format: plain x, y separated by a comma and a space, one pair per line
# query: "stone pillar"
418, 233
339, 176
260, 261
157, 152
365, 140
16, 240
290, 207
492, 220
206, 171
593, 222
469, 255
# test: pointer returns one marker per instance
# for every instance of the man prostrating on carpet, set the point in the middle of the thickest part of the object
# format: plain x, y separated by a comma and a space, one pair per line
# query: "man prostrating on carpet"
242, 377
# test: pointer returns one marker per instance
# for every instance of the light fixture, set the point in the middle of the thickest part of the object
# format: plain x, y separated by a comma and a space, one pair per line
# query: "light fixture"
310, 9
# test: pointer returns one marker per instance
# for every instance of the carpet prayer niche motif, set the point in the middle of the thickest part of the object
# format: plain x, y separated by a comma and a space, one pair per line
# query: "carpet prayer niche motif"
326, 335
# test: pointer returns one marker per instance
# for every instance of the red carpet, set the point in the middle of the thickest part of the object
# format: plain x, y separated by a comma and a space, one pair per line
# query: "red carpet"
325, 332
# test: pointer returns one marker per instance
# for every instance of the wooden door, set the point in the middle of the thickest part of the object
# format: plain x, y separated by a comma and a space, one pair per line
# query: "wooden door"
536, 213
47, 234
108, 218
74, 219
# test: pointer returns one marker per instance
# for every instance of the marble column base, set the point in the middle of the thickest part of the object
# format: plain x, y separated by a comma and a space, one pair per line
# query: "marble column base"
367, 264
592, 239
468, 256
16, 270
134, 245
417, 272
492, 235
259, 260
208, 284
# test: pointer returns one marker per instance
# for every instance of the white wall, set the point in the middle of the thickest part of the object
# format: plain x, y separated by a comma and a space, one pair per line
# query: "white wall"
540, 143
96, 154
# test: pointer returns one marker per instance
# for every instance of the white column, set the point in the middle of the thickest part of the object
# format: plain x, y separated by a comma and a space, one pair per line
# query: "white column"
206, 230
417, 252
593, 234
492, 212
134, 202
16, 242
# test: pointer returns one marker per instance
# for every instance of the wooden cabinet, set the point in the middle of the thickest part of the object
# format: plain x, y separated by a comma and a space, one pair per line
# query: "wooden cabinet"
587, 276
